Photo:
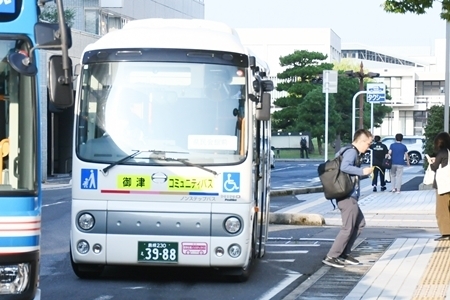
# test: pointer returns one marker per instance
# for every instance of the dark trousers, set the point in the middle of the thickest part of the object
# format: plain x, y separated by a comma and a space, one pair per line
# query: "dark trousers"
303, 151
352, 224
376, 172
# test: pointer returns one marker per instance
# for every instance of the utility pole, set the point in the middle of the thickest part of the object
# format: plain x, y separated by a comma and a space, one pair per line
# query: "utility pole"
360, 75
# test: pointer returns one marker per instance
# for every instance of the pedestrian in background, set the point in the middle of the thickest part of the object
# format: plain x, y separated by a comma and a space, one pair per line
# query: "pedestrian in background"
398, 153
441, 147
303, 148
352, 217
379, 152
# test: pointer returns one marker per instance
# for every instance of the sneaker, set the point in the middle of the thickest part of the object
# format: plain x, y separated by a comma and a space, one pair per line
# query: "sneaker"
374, 188
394, 190
383, 188
349, 259
443, 238
333, 262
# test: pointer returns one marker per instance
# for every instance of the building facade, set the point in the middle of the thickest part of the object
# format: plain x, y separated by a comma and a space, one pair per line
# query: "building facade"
414, 82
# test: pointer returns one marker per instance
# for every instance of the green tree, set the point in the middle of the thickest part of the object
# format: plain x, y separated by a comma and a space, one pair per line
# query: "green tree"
311, 115
435, 115
301, 68
50, 14
416, 6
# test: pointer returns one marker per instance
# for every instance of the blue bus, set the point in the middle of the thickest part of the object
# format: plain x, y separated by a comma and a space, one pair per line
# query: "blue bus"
21, 34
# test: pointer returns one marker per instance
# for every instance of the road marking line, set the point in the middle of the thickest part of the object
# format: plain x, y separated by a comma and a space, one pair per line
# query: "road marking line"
280, 260
291, 277
56, 203
293, 245
289, 252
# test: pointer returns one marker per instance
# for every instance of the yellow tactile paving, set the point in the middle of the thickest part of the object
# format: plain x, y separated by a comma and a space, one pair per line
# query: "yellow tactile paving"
435, 281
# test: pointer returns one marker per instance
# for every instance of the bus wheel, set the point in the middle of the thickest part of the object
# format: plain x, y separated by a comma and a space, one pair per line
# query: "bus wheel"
86, 271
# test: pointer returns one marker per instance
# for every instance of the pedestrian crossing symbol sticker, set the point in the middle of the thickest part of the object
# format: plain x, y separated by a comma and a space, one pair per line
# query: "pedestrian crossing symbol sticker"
89, 179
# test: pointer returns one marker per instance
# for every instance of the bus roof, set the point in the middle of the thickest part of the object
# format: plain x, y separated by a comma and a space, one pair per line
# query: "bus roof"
196, 34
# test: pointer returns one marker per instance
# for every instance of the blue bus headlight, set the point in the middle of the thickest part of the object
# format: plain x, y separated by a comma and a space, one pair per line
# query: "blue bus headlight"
14, 279
86, 221
232, 225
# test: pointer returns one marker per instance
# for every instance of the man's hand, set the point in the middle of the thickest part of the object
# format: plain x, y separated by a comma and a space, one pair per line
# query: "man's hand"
368, 170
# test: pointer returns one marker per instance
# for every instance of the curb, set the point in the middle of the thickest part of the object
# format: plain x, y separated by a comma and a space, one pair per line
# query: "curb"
297, 219
307, 190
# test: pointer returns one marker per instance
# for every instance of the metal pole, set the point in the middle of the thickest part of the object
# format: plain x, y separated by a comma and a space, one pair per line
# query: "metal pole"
447, 75
361, 98
326, 125
371, 117
326, 114
353, 110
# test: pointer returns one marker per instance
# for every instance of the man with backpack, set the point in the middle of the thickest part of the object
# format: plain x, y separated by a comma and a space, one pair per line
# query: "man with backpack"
352, 216
303, 148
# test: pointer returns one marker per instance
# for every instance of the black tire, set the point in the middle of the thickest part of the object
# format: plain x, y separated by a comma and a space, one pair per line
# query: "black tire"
366, 158
414, 158
86, 271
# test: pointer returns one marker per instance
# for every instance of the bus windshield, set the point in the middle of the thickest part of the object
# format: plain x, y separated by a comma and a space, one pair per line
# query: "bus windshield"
18, 134
192, 111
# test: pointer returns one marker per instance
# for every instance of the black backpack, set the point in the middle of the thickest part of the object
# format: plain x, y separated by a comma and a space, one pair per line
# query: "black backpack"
336, 184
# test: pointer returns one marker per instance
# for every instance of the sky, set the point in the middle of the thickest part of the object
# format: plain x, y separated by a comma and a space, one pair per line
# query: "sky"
354, 21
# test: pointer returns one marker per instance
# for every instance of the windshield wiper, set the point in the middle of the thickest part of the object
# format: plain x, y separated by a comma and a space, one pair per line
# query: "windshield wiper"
136, 153
184, 161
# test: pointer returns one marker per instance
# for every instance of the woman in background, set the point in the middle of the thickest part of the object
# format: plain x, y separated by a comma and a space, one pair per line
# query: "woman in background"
441, 147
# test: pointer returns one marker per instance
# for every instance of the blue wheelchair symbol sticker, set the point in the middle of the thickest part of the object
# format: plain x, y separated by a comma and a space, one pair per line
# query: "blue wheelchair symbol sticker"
89, 179
231, 182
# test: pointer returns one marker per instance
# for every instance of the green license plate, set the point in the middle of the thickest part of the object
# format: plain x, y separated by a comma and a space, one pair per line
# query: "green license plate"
158, 252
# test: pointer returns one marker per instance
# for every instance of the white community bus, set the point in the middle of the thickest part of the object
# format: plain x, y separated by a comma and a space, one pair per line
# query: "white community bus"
171, 162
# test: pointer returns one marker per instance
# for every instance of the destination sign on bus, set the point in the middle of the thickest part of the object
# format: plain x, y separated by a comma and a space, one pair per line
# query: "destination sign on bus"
7, 6
133, 182
188, 184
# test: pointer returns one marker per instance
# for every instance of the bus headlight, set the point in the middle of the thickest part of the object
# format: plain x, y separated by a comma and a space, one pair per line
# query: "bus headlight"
14, 279
234, 250
86, 221
232, 225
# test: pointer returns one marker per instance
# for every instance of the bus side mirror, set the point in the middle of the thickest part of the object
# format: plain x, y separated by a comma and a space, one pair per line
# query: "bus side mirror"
60, 93
48, 36
263, 108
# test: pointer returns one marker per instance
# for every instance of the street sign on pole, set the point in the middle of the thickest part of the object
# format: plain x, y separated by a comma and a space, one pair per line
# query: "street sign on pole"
376, 92
330, 79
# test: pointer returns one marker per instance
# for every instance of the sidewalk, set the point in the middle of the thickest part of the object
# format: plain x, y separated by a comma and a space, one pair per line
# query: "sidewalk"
57, 182
405, 268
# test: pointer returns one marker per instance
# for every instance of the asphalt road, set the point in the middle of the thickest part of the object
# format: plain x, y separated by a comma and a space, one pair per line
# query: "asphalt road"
294, 174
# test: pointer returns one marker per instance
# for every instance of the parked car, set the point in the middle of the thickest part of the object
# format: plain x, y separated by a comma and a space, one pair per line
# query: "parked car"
414, 143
